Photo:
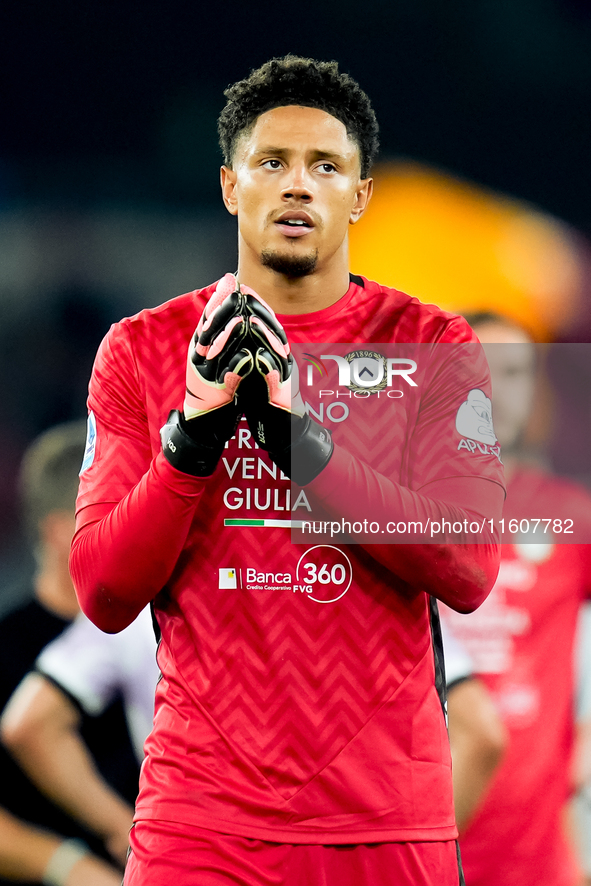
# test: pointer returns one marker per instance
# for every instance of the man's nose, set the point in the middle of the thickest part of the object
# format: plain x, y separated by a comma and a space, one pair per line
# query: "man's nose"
298, 185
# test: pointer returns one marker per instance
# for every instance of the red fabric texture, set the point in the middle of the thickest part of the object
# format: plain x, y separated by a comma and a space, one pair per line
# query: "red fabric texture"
162, 854
278, 717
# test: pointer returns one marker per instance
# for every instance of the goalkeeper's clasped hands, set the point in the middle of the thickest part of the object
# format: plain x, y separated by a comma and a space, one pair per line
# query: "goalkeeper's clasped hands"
239, 363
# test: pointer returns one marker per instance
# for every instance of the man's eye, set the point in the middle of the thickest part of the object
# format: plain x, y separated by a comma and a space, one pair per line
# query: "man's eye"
327, 167
272, 164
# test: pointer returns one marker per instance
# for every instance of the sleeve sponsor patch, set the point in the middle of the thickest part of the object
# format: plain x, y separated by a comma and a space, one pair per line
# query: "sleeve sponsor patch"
474, 418
90, 443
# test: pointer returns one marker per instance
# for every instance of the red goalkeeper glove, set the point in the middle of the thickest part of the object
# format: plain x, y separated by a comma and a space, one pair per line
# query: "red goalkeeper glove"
194, 440
271, 399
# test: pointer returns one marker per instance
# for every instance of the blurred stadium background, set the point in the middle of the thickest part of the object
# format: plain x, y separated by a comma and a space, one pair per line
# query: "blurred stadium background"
109, 168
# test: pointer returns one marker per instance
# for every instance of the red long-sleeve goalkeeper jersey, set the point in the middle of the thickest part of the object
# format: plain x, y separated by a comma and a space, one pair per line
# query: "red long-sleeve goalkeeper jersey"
298, 697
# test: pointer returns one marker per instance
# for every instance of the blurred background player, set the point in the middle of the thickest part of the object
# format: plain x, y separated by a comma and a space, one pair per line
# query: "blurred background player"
521, 642
476, 733
80, 673
580, 818
48, 486
29, 854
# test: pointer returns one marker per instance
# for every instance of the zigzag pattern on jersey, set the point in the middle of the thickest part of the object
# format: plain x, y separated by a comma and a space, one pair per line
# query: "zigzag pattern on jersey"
373, 314
163, 363
457, 369
150, 379
289, 681
157, 365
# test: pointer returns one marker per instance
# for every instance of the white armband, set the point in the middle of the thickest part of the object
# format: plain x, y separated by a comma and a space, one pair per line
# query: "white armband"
62, 861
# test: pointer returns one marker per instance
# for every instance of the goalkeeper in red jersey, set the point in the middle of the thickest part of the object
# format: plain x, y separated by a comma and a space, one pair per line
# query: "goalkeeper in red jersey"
299, 733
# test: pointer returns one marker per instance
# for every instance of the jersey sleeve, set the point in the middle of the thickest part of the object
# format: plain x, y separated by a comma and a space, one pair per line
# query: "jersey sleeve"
454, 434
448, 478
118, 448
134, 510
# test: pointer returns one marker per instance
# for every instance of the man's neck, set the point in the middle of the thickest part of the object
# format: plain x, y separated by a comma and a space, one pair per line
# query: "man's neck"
295, 295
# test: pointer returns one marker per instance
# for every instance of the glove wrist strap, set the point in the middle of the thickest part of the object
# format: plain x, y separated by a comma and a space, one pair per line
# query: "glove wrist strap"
183, 452
309, 453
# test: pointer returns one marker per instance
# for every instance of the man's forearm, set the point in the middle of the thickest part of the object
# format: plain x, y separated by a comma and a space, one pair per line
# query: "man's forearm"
478, 741
40, 728
123, 555
27, 853
460, 574
64, 770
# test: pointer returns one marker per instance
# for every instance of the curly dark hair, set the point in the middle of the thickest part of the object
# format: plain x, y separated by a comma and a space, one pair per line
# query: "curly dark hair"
294, 80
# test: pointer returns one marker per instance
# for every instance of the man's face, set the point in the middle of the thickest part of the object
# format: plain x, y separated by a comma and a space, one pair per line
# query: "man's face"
511, 357
295, 188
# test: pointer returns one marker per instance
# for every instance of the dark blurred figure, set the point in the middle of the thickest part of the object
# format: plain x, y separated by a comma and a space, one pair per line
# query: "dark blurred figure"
48, 486
80, 671
60, 332
522, 642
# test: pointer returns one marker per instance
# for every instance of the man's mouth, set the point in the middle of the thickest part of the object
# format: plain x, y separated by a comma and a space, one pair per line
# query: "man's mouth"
295, 224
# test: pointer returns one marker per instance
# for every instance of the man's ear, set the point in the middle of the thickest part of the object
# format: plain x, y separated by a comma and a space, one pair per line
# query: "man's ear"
362, 198
228, 182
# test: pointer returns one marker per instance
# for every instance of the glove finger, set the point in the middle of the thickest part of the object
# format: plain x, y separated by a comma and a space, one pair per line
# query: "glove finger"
226, 285
256, 307
241, 363
210, 326
234, 330
212, 368
240, 366
203, 394
268, 360
224, 288
297, 404
278, 381
268, 338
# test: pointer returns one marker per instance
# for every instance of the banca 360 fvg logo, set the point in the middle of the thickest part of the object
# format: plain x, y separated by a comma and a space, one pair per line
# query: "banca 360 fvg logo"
323, 574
